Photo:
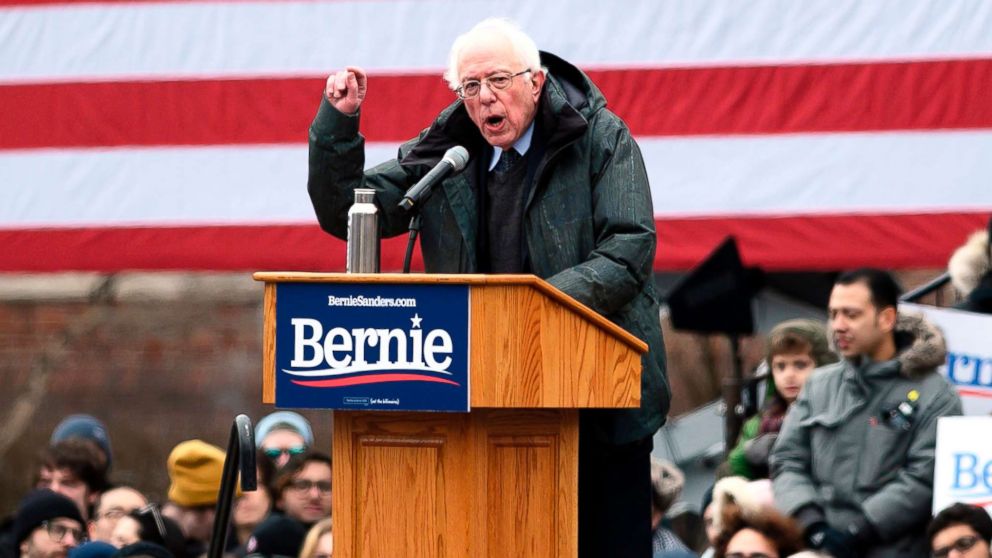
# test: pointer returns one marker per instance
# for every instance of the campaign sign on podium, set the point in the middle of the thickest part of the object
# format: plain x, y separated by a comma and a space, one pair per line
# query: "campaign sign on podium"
372, 347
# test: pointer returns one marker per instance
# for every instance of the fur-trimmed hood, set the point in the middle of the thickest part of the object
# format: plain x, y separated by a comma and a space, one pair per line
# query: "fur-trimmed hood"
920, 345
970, 262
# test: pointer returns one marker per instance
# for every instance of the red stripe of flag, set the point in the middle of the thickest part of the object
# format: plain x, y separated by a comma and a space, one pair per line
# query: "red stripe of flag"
825, 242
922, 95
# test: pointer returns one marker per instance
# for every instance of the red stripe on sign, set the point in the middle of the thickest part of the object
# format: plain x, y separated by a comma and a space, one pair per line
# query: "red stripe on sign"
975, 392
776, 244
923, 95
984, 504
376, 379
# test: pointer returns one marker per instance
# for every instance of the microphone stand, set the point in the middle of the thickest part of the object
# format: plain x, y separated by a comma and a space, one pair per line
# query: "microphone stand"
414, 231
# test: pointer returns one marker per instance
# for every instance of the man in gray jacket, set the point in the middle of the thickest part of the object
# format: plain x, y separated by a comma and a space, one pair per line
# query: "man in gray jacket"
854, 460
555, 186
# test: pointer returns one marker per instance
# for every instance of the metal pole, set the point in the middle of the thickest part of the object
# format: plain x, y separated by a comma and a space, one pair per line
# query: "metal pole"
732, 395
240, 456
929, 287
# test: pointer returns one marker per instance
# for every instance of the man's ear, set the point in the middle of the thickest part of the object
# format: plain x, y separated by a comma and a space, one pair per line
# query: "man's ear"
887, 319
537, 82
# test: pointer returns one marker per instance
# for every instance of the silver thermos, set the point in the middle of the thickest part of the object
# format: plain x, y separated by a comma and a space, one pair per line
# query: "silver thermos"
363, 233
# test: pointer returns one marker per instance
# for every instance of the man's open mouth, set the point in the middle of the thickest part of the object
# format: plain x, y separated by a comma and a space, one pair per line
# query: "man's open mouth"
494, 121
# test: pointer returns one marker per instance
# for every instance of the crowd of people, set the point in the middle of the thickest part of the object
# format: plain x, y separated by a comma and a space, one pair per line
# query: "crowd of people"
73, 508
839, 460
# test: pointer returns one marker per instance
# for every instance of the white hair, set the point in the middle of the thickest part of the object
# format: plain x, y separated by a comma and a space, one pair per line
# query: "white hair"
522, 44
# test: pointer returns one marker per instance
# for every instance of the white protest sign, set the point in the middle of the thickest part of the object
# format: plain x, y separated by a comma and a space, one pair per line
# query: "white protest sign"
969, 353
963, 462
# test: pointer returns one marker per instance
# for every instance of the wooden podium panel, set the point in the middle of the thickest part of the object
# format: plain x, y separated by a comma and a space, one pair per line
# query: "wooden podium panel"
491, 483
501, 480
539, 353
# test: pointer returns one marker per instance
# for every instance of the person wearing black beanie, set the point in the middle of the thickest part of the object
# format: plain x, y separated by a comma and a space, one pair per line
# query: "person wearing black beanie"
47, 525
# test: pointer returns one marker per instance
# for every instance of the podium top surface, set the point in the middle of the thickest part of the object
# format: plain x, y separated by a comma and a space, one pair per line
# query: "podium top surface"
531, 281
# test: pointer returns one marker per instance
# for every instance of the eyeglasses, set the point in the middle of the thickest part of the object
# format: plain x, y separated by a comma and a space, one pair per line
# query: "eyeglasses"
749, 555
963, 544
58, 531
500, 80
274, 453
304, 485
112, 514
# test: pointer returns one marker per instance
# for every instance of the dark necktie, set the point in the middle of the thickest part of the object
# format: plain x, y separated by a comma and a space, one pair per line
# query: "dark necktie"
508, 160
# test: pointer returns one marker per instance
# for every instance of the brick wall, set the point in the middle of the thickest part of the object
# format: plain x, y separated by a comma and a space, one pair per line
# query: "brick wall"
160, 359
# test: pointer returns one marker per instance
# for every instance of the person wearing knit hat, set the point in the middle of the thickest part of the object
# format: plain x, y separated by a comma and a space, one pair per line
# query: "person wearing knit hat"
794, 349
93, 549
278, 536
195, 469
86, 427
47, 525
144, 549
283, 434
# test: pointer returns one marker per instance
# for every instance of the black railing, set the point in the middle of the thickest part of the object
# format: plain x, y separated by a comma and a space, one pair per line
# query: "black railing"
240, 459
933, 285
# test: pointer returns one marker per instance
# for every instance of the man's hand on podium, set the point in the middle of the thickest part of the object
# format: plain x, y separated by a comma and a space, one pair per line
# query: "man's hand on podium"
345, 90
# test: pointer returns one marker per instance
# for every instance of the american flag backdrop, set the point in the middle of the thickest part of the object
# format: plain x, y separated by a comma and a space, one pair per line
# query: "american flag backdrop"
172, 134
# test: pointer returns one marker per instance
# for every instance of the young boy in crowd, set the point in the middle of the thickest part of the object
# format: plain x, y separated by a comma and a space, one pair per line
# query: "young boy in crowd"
795, 348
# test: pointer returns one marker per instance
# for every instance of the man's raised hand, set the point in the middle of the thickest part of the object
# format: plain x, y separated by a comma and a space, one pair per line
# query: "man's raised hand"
345, 90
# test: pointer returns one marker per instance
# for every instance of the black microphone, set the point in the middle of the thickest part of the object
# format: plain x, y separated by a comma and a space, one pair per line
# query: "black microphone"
453, 162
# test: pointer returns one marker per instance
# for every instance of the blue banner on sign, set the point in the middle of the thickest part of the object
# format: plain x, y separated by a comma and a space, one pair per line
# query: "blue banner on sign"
373, 347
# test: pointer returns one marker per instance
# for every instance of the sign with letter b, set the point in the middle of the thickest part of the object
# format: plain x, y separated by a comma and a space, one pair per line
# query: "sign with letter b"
372, 347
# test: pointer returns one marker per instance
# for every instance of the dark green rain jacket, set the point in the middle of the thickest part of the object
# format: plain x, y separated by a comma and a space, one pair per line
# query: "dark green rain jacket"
588, 223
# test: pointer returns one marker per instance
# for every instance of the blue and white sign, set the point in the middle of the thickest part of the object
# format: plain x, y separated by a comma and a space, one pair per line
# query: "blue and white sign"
969, 354
372, 347
963, 462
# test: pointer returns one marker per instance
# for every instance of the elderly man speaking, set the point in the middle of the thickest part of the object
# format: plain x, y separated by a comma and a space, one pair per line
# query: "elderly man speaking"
555, 186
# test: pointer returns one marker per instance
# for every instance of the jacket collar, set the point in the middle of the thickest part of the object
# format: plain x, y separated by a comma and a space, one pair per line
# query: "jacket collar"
568, 98
920, 350
567, 95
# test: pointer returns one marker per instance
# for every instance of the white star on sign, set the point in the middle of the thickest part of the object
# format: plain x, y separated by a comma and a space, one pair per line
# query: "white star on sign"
416, 320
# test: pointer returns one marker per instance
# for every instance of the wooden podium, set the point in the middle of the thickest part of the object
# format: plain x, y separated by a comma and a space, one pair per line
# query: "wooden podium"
501, 480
